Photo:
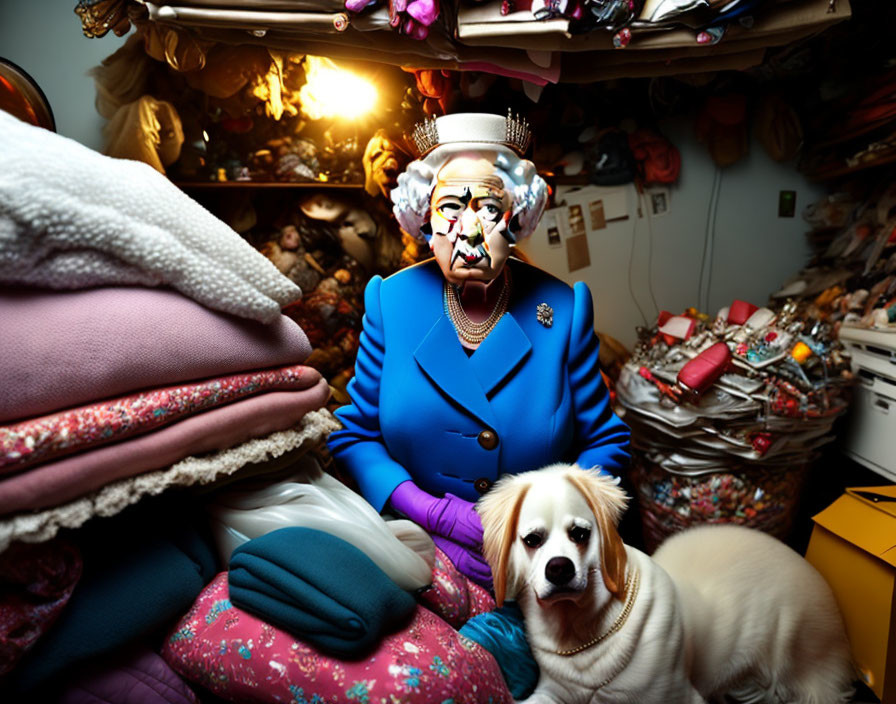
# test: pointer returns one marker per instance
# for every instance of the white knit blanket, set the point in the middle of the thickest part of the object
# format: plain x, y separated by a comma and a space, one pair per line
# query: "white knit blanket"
73, 218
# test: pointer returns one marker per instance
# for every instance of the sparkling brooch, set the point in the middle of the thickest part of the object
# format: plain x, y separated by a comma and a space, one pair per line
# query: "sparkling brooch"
544, 314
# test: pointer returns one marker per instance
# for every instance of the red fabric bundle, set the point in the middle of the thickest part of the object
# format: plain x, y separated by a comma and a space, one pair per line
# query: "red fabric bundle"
658, 159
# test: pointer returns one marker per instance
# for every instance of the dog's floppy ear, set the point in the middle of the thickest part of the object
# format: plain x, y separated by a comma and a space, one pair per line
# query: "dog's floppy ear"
499, 510
607, 502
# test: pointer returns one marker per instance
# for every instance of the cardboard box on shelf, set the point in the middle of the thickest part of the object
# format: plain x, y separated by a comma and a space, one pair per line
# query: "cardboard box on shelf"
853, 545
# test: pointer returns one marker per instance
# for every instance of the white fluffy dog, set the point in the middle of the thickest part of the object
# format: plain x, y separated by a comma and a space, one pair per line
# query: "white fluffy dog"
720, 611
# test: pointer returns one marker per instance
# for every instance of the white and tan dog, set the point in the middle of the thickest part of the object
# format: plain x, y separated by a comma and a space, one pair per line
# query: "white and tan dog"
720, 610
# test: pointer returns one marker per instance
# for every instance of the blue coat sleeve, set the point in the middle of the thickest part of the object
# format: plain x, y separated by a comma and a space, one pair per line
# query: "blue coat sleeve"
603, 439
359, 448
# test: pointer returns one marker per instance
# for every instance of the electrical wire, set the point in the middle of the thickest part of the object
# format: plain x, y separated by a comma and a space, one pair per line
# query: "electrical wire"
631, 262
707, 235
715, 212
642, 196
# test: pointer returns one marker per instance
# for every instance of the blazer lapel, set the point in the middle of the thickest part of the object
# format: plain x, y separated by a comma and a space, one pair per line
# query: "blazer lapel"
442, 358
500, 353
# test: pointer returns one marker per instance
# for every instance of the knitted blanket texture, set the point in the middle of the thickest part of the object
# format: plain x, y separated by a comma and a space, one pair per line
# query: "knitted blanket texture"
73, 218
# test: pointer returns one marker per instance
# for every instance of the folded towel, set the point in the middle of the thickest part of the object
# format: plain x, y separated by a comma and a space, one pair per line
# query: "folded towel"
89, 427
61, 349
73, 218
68, 478
317, 586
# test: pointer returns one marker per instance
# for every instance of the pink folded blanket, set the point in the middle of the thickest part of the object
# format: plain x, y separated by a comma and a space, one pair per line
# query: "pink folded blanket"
62, 349
88, 427
68, 478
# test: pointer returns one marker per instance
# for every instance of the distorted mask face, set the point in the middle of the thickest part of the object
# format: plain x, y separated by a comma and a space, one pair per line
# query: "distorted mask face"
469, 213
382, 164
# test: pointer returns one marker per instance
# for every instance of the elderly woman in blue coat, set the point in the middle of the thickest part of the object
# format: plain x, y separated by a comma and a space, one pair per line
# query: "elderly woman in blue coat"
472, 364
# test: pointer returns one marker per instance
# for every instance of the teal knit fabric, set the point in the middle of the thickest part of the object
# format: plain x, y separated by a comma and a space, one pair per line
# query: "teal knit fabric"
502, 633
318, 587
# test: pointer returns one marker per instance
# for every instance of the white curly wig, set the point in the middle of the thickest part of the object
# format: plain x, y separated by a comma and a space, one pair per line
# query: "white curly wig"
412, 196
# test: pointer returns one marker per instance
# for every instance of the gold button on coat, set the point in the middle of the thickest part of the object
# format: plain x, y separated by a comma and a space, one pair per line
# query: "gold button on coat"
488, 439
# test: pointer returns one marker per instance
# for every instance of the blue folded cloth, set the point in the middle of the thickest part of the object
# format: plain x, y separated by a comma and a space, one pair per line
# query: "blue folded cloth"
318, 587
140, 575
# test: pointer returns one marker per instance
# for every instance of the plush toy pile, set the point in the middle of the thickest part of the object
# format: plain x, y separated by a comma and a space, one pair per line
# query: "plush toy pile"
726, 415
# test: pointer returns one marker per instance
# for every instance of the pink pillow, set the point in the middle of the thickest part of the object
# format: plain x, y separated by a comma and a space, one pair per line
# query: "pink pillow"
239, 657
453, 596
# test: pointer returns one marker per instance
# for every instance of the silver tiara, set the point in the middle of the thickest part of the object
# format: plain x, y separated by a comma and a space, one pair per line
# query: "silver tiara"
517, 135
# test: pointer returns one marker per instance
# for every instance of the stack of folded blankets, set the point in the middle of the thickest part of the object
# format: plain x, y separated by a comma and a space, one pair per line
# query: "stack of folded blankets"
137, 331
141, 348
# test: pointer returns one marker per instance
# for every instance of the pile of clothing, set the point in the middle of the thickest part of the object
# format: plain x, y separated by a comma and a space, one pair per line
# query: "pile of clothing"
166, 529
727, 414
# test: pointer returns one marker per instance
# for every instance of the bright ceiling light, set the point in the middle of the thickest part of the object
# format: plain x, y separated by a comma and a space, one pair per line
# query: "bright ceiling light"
330, 91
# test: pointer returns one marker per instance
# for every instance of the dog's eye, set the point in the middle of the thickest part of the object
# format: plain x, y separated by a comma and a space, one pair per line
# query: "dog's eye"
579, 535
532, 540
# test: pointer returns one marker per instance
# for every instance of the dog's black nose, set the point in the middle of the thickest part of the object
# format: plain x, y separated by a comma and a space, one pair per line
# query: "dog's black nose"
559, 570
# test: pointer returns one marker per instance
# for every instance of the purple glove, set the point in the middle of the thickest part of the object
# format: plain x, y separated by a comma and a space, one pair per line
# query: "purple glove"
467, 562
450, 517
453, 523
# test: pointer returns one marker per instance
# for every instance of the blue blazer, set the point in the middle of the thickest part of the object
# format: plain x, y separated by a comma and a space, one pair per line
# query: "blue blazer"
420, 404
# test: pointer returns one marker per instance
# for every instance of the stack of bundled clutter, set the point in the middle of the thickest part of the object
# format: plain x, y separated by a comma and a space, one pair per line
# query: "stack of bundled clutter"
143, 349
852, 279
707, 20
851, 284
727, 415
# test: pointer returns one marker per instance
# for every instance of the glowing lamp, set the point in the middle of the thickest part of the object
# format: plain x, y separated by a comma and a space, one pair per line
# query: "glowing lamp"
332, 92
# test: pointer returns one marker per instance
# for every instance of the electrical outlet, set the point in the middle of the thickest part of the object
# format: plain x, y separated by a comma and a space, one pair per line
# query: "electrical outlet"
786, 204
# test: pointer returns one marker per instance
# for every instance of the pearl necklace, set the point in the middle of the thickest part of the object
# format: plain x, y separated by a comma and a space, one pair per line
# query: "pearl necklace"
471, 332
631, 593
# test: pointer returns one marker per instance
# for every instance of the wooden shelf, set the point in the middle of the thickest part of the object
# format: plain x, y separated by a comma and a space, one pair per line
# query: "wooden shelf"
886, 158
855, 133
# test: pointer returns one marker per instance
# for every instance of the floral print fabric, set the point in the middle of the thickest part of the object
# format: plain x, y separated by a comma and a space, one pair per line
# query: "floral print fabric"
36, 581
239, 657
453, 596
39, 439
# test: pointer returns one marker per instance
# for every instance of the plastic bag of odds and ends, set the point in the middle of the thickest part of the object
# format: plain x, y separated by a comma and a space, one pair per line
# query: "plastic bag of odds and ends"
727, 415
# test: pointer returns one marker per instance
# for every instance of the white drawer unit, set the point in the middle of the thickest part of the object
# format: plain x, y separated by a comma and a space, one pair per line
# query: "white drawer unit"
870, 434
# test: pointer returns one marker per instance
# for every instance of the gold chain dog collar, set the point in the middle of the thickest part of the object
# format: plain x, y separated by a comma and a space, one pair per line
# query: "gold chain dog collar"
631, 593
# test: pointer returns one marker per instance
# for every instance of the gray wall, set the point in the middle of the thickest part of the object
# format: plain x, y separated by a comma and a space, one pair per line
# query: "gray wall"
753, 251
45, 39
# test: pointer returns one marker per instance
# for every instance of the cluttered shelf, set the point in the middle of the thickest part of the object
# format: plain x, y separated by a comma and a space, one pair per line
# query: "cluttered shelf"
847, 169
514, 38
